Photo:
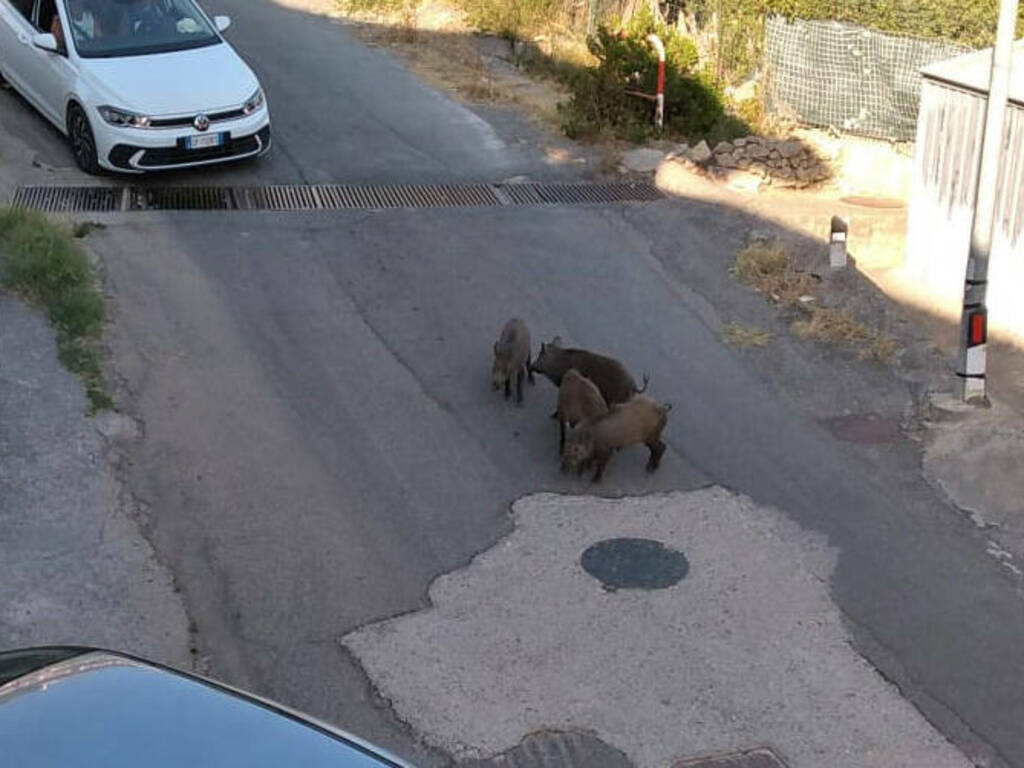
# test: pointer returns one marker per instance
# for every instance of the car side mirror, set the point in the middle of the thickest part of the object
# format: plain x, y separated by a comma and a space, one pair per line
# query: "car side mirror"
46, 42
222, 22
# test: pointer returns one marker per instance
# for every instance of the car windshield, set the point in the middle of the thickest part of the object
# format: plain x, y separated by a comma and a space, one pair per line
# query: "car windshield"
107, 28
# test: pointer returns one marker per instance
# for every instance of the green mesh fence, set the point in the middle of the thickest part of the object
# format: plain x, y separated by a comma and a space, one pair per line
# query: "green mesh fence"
825, 73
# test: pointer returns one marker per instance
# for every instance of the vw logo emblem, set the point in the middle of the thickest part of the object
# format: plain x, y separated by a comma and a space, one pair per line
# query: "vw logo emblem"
202, 122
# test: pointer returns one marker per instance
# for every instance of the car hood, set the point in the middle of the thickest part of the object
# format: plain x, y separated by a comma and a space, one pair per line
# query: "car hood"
181, 82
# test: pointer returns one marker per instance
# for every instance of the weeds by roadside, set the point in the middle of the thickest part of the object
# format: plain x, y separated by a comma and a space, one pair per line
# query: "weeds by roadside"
836, 325
745, 335
767, 268
40, 262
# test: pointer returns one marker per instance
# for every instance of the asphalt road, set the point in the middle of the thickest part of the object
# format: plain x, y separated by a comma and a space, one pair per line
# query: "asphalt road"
321, 441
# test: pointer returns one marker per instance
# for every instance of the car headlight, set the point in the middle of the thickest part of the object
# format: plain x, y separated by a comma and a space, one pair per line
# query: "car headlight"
123, 119
254, 103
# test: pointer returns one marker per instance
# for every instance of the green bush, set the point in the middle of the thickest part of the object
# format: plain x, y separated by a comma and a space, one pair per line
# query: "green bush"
694, 104
42, 263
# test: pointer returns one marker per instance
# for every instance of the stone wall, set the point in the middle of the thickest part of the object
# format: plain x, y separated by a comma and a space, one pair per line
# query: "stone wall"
759, 161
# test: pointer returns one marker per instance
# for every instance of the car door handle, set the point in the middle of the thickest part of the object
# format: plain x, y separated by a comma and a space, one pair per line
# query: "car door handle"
24, 39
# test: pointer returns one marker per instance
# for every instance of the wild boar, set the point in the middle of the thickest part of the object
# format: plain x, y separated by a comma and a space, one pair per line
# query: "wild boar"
579, 400
611, 377
641, 420
512, 359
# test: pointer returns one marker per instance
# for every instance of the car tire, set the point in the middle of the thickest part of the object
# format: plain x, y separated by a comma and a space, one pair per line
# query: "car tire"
83, 142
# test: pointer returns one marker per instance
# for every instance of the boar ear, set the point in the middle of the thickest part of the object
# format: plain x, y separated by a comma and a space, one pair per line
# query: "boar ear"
556, 342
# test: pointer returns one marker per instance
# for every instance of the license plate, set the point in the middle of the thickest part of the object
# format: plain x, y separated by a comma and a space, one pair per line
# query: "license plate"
204, 142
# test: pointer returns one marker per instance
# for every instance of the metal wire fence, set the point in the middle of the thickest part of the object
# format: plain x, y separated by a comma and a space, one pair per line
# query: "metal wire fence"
826, 73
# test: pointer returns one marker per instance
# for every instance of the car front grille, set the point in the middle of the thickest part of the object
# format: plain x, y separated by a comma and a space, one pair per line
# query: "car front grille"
153, 158
179, 122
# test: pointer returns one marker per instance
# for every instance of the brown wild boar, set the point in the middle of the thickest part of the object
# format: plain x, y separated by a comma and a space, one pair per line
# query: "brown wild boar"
610, 376
641, 420
579, 400
512, 359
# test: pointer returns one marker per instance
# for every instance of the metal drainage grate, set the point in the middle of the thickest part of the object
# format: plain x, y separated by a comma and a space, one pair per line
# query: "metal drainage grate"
97, 199
302, 197
181, 198
576, 194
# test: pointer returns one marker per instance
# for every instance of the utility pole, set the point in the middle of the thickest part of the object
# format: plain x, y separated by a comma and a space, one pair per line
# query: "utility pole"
974, 320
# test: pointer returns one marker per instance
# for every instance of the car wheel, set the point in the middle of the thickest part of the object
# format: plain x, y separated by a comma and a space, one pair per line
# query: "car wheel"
83, 143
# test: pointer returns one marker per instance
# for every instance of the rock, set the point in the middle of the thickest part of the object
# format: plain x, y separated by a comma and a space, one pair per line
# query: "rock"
789, 148
723, 146
757, 151
804, 174
642, 159
743, 162
739, 142
726, 160
755, 140
700, 153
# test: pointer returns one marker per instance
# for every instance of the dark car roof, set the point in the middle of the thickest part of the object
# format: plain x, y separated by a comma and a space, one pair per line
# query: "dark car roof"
70, 706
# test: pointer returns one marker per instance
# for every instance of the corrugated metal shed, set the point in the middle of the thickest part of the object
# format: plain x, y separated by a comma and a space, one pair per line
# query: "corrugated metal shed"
946, 156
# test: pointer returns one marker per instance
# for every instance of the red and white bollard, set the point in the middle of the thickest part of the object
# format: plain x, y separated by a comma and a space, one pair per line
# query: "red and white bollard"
659, 99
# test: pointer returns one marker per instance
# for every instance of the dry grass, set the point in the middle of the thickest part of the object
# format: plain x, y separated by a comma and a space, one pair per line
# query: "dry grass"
839, 326
766, 268
745, 335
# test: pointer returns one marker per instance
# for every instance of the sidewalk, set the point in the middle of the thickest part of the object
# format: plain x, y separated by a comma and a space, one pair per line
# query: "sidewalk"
75, 568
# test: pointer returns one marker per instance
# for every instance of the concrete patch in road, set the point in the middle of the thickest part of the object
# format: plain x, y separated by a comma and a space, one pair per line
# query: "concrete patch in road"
747, 649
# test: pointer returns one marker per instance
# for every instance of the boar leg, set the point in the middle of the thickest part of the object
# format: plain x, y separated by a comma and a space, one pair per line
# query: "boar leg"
519, 387
600, 460
657, 448
529, 371
561, 437
508, 388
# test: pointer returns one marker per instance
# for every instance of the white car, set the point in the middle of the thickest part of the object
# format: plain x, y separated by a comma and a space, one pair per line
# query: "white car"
136, 85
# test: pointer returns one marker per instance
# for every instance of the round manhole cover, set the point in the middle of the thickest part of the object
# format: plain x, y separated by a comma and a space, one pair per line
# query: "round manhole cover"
634, 564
